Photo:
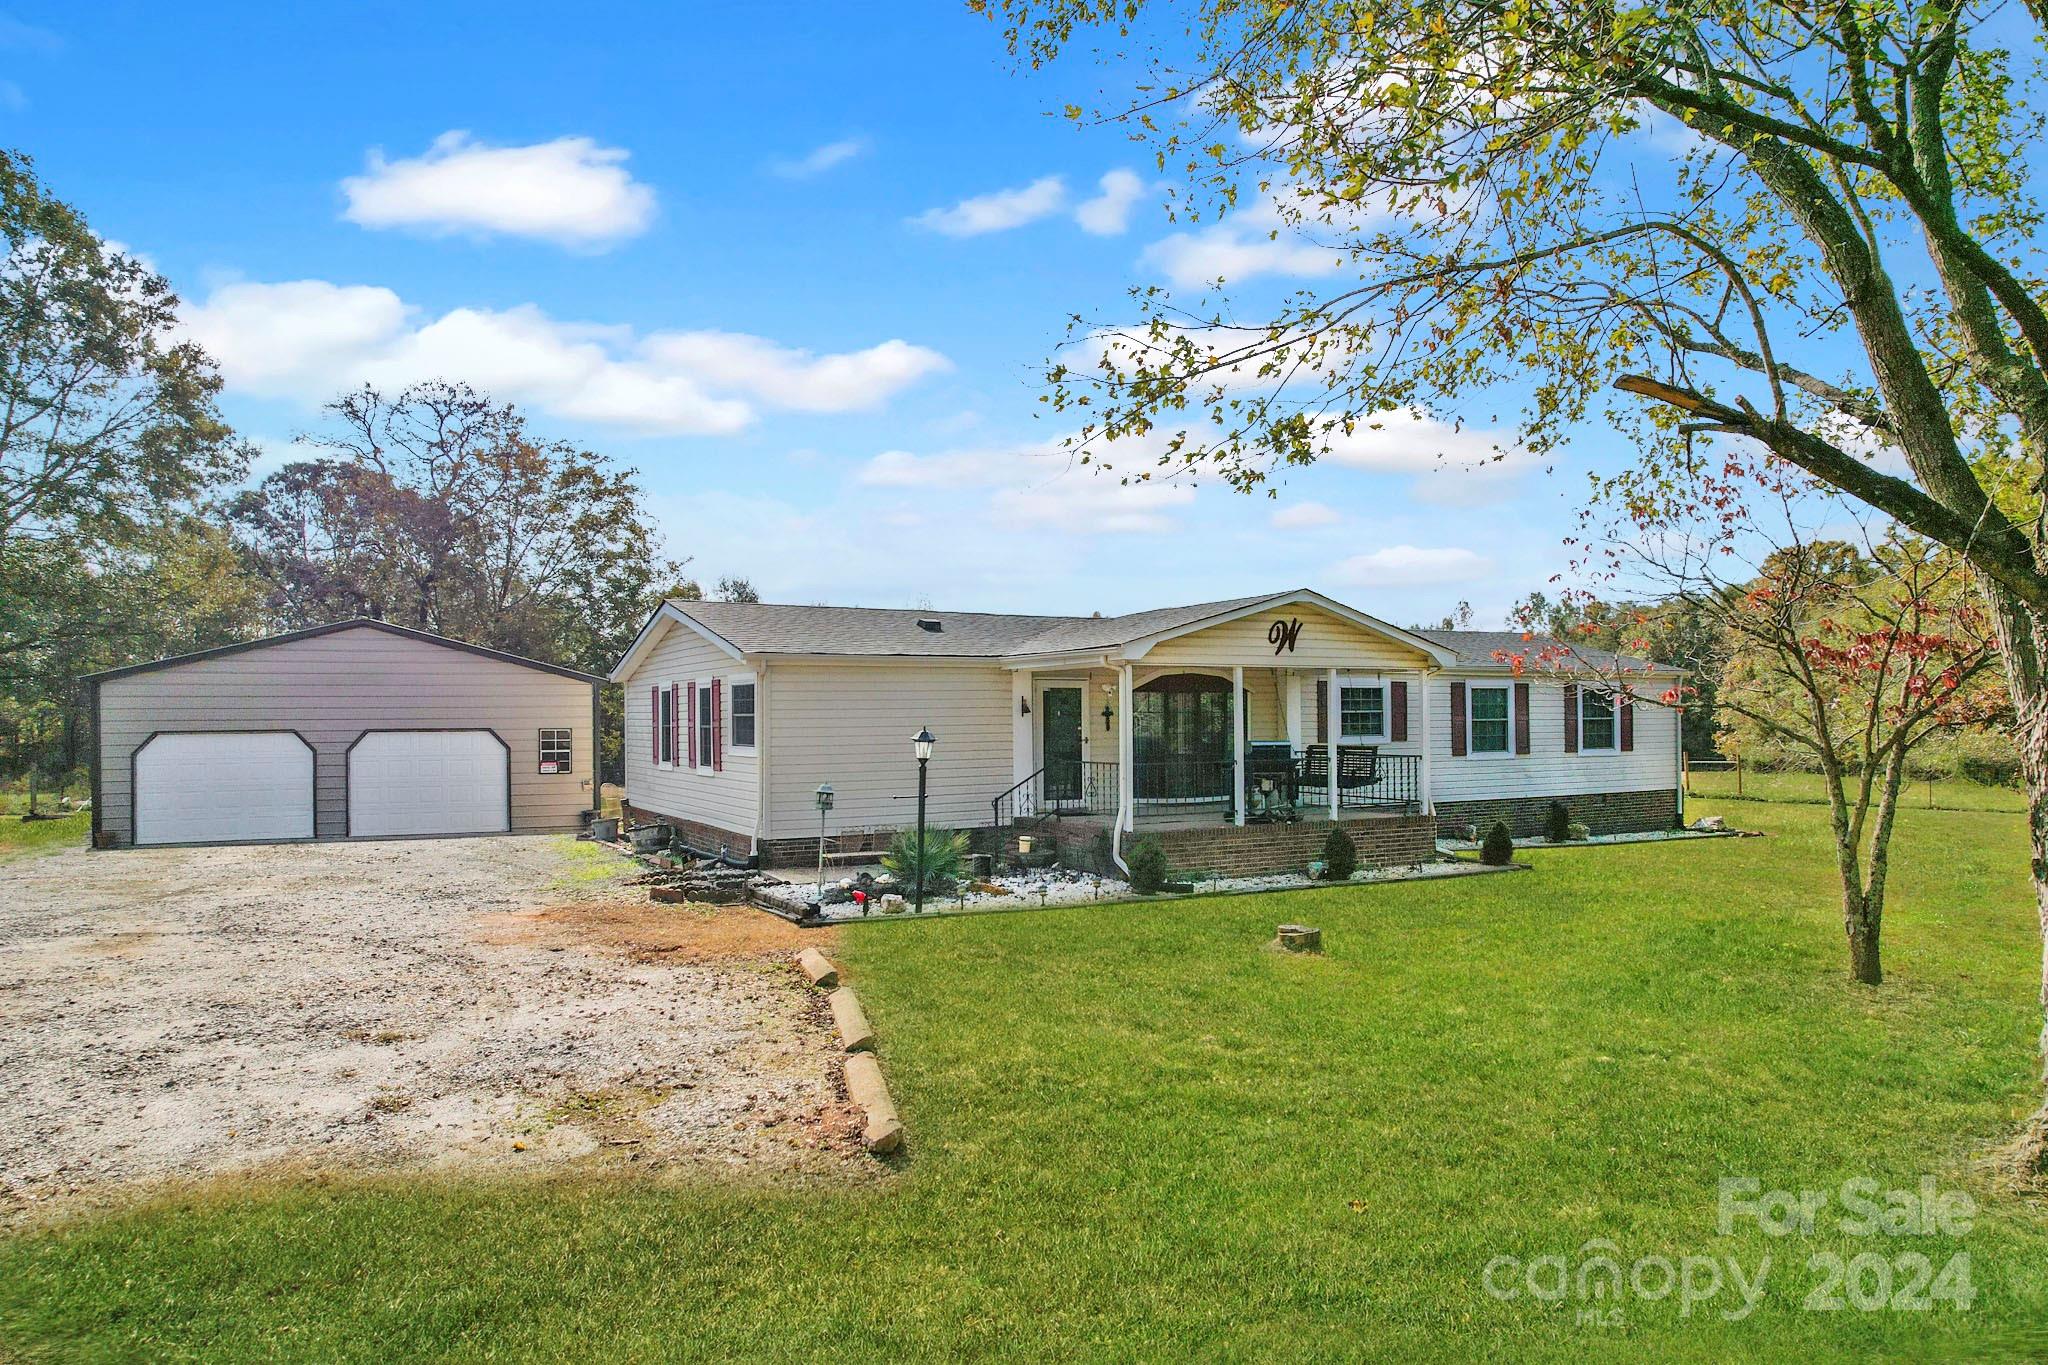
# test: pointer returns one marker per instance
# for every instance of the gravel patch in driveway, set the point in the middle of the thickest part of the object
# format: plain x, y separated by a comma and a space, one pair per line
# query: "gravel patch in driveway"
442, 1003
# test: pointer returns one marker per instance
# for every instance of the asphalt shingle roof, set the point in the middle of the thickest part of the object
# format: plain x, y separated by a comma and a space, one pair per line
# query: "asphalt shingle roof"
775, 628
1476, 649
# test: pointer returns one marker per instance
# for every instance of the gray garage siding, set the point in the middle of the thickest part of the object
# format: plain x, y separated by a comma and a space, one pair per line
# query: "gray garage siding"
331, 688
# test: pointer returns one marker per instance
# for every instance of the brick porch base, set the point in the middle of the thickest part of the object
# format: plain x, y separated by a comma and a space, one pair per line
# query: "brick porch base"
1600, 812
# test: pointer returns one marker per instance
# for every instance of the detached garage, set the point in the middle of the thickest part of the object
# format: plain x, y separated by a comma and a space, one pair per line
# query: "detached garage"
356, 730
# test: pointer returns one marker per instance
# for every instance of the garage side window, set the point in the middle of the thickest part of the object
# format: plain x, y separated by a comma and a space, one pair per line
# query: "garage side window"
742, 715
555, 753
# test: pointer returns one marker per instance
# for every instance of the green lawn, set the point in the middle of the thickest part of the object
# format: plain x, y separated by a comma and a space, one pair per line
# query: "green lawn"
19, 836
1138, 1134
1949, 793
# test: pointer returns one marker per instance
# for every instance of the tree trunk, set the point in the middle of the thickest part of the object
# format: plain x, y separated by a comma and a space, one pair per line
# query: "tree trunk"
1863, 919
2020, 637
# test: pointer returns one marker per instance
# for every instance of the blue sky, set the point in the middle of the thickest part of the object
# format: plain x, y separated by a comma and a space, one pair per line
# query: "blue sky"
798, 265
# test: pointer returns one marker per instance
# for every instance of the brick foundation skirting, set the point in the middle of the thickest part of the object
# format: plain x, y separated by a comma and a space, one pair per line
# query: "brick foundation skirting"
697, 834
1600, 812
1242, 851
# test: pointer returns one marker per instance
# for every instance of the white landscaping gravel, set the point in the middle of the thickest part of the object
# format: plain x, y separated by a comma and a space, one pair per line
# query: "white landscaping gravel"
1058, 886
189, 1012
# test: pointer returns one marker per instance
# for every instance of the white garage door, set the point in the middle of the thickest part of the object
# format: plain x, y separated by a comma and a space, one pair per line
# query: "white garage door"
428, 782
200, 789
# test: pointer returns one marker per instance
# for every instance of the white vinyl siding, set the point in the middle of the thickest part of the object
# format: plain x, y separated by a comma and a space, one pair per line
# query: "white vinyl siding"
727, 799
1325, 641
333, 687
1547, 770
849, 723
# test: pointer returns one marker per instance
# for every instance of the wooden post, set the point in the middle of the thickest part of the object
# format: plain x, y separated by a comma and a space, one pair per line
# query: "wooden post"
1331, 726
1428, 741
1126, 805
1239, 722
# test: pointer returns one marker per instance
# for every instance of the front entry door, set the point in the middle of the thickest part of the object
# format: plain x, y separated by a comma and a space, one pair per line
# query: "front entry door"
1061, 709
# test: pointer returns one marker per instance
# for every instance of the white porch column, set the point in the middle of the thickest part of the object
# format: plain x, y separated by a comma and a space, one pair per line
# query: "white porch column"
1330, 729
1290, 692
1422, 717
1126, 807
1238, 723
1022, 750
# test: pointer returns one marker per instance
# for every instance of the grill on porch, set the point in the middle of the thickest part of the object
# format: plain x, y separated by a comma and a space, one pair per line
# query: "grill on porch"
1281, 784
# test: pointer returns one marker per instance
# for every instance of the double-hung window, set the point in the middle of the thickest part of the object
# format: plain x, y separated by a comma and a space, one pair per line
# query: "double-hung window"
1489, 720
668, 725
705, 728
1361, 711
742, 715
1596, 720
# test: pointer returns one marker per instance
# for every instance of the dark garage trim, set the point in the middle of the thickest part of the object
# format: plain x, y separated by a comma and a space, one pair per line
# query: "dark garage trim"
355, 623
347, 777
135, 785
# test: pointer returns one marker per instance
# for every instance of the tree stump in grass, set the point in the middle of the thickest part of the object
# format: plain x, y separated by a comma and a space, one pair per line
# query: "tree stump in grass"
1299, 938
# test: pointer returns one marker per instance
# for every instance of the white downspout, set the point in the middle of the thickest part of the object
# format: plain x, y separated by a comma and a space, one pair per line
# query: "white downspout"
1125, 815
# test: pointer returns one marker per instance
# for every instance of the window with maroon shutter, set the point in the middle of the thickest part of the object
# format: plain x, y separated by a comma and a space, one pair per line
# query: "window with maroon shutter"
1628, 722
1457, 718
1521, 718
671, 730
1571, 718
717, 725
1397, 712
693, 724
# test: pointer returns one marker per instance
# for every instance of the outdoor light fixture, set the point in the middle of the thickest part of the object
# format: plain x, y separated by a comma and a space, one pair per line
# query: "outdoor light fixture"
824, 795
921, 743
1023, 706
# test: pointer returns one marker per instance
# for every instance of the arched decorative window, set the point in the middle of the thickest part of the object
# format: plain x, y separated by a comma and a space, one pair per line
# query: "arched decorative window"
1180, 739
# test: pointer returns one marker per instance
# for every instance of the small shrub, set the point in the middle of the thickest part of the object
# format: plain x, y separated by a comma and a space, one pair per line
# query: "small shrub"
1340, 855
1147, 861
1557, 825
945, 859
1499, 848
1578, 833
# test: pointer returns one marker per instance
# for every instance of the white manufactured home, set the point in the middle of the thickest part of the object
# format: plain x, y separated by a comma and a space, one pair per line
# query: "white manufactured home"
1211, 726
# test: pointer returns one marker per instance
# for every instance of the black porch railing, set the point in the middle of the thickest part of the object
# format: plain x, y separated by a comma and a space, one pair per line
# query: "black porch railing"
1279, 784
1062, 787
1367, 778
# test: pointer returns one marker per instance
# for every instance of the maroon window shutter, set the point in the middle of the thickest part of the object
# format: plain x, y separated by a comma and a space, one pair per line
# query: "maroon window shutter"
1628, 722
1322, 711
675, 724
717, 725
1397, 704
1521, 718
654, 720
693, 725
1571, 718
1457, 718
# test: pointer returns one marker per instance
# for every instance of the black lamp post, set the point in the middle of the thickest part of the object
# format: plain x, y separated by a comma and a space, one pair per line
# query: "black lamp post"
922, 742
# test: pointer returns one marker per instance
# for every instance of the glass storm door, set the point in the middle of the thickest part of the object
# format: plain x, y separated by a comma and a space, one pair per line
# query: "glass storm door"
1060, 708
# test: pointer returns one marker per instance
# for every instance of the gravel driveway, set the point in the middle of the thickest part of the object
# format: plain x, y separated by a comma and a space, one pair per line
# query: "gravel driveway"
497, 1002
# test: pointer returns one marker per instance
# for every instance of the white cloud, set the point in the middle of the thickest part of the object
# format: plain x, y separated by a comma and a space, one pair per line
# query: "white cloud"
797, 379
1411, 566
821, 159
1303, 516
1285, 231
1456, 466
570, 191
1000, 211
1041, 484
310, 340
1109, 212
